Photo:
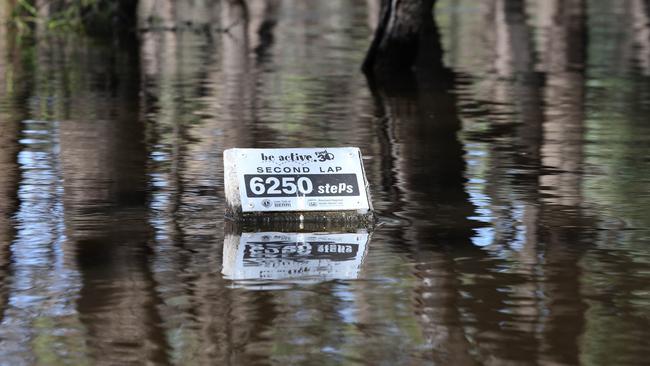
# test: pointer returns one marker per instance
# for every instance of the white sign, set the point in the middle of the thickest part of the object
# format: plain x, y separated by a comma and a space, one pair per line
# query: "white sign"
304, 256
297, 179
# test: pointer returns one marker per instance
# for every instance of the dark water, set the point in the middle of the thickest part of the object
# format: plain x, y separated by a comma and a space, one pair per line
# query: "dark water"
513, 186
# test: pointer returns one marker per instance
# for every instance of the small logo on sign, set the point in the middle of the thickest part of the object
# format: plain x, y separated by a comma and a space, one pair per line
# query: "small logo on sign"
324, 155
312, 203
266, 203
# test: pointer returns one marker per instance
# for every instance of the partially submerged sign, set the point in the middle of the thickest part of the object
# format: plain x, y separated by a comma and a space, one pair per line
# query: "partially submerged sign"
296, 180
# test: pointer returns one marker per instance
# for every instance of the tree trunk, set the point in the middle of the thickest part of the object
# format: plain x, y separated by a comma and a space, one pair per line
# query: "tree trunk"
397, 40
110, 17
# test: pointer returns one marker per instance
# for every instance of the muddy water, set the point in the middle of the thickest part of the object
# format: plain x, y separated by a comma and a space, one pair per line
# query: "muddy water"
512, 186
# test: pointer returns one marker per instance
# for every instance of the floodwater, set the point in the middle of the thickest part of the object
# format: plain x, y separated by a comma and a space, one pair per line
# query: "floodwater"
512, 186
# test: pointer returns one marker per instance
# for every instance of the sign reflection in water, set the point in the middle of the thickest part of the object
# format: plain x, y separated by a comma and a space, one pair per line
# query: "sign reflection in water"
294, 256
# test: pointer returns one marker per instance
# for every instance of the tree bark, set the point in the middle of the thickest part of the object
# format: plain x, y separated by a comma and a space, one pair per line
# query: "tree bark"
397, 40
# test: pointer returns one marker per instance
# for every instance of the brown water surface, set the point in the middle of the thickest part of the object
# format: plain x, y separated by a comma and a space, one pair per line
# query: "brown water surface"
512, 185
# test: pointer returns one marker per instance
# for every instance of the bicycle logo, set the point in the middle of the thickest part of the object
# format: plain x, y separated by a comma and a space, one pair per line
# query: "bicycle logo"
324, 156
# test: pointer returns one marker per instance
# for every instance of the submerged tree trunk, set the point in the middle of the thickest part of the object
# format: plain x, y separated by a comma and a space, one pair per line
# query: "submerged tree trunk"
110, 17
403, 24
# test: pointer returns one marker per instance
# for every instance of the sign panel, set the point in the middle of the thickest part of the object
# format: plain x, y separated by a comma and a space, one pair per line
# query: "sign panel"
299, 179
305, 256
